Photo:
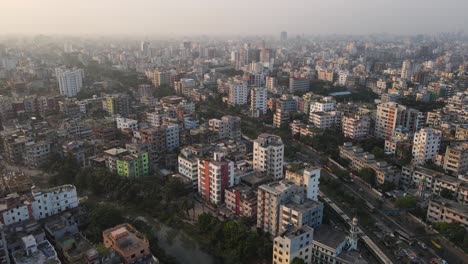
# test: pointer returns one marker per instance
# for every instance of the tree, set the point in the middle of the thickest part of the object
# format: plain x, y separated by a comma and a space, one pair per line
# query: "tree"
368, 175
406, 202
297, 260
379, 153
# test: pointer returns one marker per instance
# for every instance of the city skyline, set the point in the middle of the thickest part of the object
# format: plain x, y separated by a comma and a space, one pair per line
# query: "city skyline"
208, 17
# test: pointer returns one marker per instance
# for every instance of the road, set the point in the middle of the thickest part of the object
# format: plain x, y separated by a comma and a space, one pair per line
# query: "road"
402, 221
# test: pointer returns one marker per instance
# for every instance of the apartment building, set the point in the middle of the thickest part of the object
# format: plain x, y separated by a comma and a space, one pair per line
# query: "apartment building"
133, 165
299, 212
360, 159
117, 104
426, 145
355, 126
268, 155
112, 156
326, 104
391, 115
269, 199
258, 101
131, 245
126, 123
215, 175
70, 80
400, 136
47, 202
227, 127
456, 159
447, 211
296, 243
14, 208
326, 75
325, 120
241, 200
188, 166
238, 92
37, 153
298, 84
161, 78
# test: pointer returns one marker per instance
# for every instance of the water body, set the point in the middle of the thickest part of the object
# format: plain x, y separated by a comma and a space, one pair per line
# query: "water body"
181, 246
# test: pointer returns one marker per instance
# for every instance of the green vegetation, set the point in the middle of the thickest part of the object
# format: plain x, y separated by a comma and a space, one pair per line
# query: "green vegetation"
421, 106
327, 142
297, 260
230, 72
233, 241
455, 233
406, 202
368, 175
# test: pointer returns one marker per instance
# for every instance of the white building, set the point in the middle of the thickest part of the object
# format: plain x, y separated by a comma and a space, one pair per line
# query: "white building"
294, 244
188, 166
70, 80
426, 145
343, 78
307, 177
238, 93
406, 69
14, 209
325, 120
268, 155
356, 126
258, 101
53, 201
327, 104
125, 123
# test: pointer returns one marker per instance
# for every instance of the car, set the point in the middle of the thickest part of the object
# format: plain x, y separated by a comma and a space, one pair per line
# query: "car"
422, 245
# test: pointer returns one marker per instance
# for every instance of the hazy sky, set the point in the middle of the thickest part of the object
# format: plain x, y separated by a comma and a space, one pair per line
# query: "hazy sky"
147, 17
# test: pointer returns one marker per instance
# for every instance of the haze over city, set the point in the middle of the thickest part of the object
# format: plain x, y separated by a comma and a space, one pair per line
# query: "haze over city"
233, 132
247, 17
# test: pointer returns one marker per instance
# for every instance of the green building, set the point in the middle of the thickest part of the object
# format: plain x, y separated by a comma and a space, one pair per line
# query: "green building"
133, 165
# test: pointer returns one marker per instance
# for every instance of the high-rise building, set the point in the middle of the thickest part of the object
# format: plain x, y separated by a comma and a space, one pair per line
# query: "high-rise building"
227, 127
406, 69
258, 101
238, 93
456, 159
392, 115
426, 145
268, 155
270, 197
214, 177
272, 84
70, 80
296, 243
284, 36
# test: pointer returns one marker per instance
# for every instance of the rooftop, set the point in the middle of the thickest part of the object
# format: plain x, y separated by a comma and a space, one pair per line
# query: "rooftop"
45, 255
461, 208
329, 236
126, 237
115, 151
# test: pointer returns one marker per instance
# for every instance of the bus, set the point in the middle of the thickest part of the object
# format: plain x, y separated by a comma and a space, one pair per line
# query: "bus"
370, 207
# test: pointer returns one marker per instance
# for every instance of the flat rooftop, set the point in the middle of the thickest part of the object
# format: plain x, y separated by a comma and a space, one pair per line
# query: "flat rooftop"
302, 207
329, 236
45, 254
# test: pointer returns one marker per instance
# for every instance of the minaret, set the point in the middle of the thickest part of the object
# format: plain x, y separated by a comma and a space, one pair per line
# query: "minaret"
353, 235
